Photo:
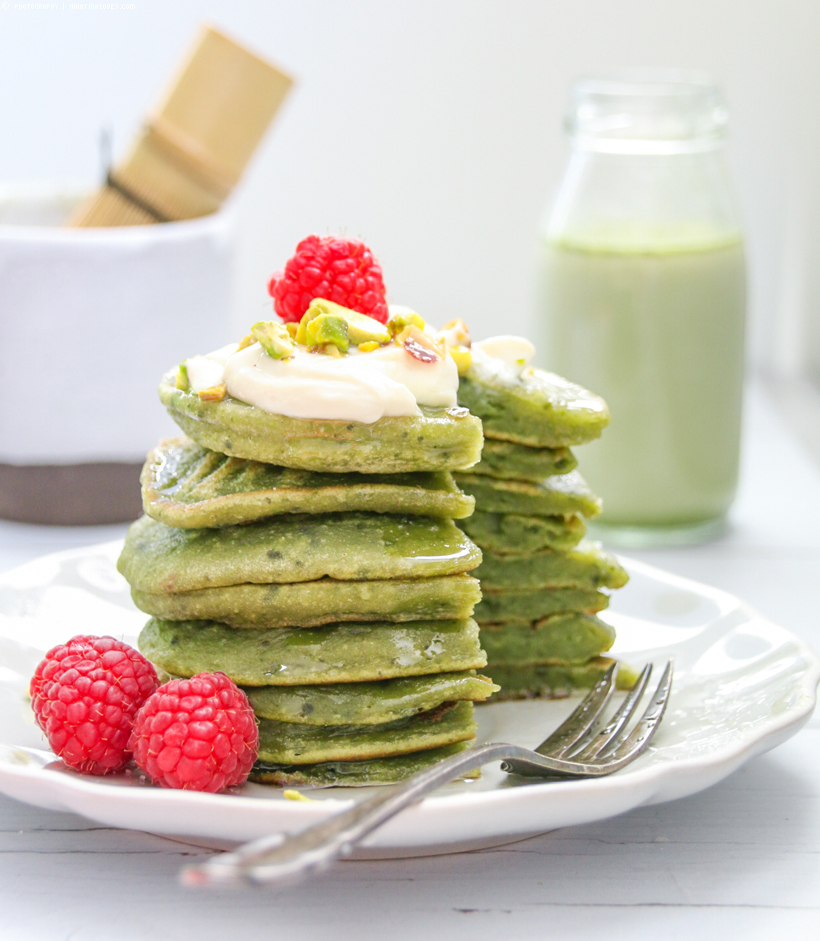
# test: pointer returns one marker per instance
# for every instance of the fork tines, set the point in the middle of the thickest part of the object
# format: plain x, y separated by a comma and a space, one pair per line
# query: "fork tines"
595, 750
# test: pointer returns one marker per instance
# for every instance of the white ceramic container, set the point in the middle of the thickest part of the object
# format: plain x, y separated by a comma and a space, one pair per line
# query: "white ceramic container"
89, 321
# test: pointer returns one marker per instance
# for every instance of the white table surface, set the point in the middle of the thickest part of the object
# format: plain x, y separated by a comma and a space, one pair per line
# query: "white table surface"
741, 860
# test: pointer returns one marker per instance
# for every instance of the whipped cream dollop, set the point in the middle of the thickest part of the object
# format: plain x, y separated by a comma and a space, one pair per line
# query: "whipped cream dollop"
205, 372
514, 353
361, 387
358, 386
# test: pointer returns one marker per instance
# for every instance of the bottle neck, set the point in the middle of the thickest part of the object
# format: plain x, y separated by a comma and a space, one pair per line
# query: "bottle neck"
666, 201
647, 112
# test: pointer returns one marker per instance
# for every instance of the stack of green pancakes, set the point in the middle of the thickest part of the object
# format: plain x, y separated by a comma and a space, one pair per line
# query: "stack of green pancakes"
542, 582
340, 601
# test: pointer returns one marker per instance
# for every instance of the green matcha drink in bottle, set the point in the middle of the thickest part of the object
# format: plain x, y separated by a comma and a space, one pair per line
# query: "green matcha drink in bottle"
643, 300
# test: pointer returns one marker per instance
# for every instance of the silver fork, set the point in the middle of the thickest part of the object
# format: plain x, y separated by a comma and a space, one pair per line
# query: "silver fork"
577, 748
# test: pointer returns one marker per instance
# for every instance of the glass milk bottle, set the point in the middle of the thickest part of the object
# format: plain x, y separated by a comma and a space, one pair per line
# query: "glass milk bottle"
643, 298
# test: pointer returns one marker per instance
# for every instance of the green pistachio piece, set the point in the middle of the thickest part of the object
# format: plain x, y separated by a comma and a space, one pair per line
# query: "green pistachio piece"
183, 382
328, 329
402, 320
274, 339
364, 329
360, 327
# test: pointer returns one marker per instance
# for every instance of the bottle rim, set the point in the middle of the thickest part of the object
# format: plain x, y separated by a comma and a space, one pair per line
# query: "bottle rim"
647, 111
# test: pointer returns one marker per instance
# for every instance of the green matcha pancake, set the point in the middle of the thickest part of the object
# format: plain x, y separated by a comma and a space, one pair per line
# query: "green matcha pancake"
519, 462
556, 680
295, 743
560, 638
365, 704
555, 496
436, 439
513, 534
502, 605
186, 485
294, 548
354, 773
586, 566
310, 604
338, 653
534, 407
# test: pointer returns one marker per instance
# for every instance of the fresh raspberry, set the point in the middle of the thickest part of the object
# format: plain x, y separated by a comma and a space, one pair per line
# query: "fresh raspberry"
199, 734
85, 694
339, 270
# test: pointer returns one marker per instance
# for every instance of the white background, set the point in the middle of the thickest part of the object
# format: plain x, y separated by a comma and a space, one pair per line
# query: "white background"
432, 130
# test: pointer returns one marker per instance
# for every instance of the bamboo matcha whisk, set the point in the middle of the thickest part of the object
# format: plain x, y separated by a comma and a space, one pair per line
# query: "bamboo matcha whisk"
192, 149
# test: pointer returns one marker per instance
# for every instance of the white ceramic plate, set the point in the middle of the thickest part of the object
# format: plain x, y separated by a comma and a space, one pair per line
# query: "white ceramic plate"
742, 686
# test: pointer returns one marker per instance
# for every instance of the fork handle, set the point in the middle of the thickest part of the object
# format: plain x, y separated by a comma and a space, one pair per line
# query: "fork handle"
279, 858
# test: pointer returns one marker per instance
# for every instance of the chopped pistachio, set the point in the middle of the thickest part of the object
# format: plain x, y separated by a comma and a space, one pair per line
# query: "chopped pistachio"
246, 341
423, 337
403, 334
301, 329
274, 339
328, 329
292, 795
369, 346
455, 333
463, 358
360, 327
182, 378
331, 350
214, 393
292, 328
403, 319
420, 346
